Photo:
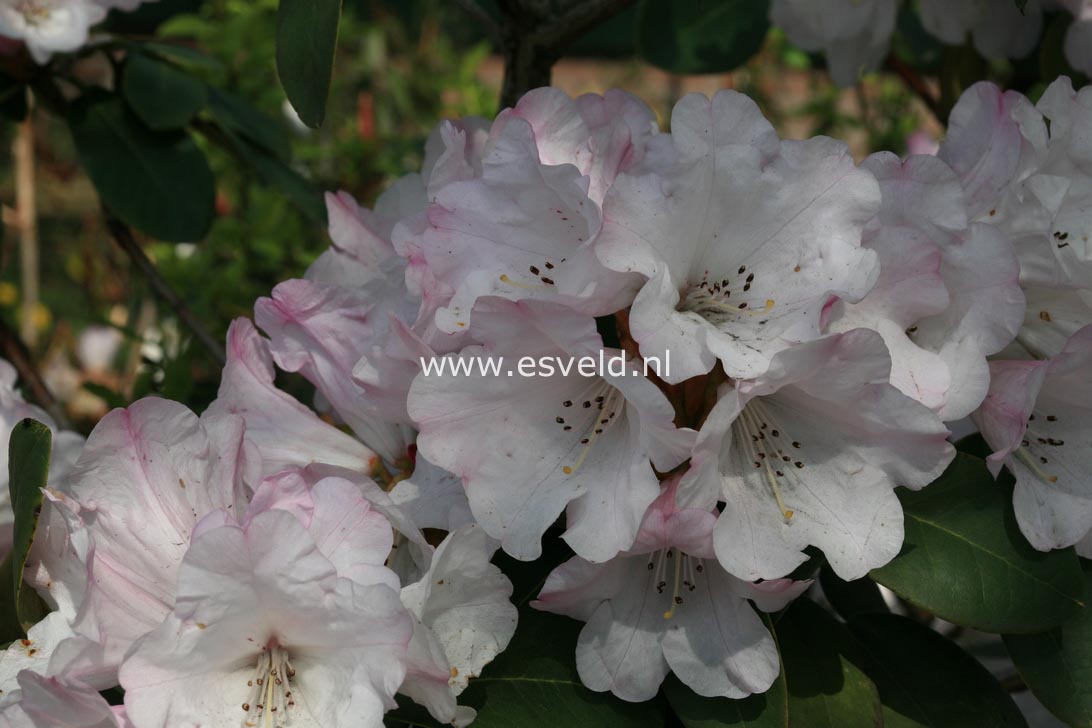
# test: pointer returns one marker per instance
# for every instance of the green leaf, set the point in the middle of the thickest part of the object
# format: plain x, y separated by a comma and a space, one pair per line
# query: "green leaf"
1057, 665
964, 559
236, 115
820, 661
701, 36
181, 55
29, 449
764, 710
848, 598
162, 95
926, 680
276, 173
158, 182
306, 40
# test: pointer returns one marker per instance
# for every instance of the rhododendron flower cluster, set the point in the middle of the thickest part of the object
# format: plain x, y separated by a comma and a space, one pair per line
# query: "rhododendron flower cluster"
855, 35
283, 564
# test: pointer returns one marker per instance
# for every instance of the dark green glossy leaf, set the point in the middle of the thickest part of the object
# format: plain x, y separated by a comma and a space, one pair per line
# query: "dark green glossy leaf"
162, 95
29, 449
1057, 665
848, 598
964, 559
276, 173
306, 40
237, 115
181, 55
820, 661
158, 182
926, 680
766, 710
701, 36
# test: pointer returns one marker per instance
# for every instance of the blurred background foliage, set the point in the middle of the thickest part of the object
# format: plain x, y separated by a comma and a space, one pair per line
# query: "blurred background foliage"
101, 338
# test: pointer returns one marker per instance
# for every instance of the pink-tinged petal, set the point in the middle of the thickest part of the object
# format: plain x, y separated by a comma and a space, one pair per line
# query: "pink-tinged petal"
1003, 416
396, 514
984, 143
489, 235
266, 587
347, 528
666, 525
599, 135
427, 675
284, 431
454, 151
577, 587
717, 644
358, 247
1053, 500
322, 331
146, 476
59, 703
355, 537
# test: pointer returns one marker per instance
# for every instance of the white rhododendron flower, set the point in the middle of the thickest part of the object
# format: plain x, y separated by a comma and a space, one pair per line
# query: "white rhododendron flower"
854, 34
1038, 420
666, 605
147, 475
948, 293
742, 242
55, 26
997, 29
810, 454
49, 26
266, 631
529, 448
1026, 169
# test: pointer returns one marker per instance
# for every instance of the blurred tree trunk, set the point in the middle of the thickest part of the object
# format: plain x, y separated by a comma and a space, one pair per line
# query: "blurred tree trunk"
533, 34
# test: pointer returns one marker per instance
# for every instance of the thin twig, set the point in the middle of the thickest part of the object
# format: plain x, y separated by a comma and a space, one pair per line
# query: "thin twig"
482, 18
123, 236
916, 84
15, 351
